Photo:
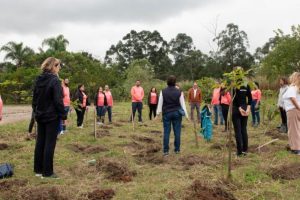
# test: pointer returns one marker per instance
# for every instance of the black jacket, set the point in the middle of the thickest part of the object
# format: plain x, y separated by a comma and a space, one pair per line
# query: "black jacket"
79, 97
47, 102
96, 99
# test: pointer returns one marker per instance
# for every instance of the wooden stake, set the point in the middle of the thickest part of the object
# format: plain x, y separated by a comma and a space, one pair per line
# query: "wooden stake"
258, 148
195, 132
132, 119
95, 124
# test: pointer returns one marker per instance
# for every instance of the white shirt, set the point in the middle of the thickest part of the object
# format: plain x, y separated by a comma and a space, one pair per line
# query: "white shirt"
160, 104
292, 91
195, 93
282, 90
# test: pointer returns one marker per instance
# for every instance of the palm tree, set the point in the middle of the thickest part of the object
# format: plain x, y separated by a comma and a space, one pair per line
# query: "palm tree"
16, 52
56, 44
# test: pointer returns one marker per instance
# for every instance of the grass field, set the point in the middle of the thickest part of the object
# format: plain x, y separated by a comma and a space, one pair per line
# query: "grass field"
129, 164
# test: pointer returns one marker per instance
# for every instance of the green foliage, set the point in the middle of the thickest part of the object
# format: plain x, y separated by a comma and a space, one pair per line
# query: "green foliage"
56, 44
237, 78
284, 57
207, 86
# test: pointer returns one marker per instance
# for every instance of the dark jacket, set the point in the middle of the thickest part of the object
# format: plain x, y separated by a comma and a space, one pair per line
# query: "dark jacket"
149, 98
171, 99
47, 101
96, 99
79, 97
242, 97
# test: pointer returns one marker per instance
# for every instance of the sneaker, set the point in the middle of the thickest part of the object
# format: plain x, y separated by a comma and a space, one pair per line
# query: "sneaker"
177, 152
244, 153
61, 133
166, 154
80, 126
38, 175
53, 176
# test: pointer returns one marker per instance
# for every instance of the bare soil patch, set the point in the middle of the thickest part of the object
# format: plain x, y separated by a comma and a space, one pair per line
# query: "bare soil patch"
105, 127
6, 185
274, 133
191, 160
150, 154
199, 191
99, 194
286, 172
102, 133
143, 139
155, 132
116, 124
86, 149
115, 170
253, 149
3, 146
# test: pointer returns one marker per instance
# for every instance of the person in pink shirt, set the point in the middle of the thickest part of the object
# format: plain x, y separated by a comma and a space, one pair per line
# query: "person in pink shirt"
1, 106
256, 98
225, 100
152, 102
100, 103
215, 102
67, 102
137, 95
110, 102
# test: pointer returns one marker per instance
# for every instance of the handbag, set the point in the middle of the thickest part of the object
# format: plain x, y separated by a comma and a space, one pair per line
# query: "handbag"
181, 111
6, 170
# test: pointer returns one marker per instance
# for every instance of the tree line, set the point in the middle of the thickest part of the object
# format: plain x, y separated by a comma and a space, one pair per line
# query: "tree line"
147, 55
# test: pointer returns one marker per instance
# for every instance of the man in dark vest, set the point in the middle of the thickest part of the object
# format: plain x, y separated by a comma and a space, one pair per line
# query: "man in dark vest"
171, 104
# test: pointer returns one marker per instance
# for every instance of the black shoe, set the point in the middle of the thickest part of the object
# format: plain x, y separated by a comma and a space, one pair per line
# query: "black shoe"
53, 176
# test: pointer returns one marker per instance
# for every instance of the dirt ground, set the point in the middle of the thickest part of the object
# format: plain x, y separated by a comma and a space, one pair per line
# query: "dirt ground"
15, 113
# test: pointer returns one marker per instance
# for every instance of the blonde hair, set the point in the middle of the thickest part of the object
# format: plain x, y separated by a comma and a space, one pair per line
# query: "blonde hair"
49, 64
295, 79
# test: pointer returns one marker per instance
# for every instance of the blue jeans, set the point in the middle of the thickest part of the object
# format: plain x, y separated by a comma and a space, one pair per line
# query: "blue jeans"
100, 111
175, 119
137, 106
62, 126
217, 114
109, 112
255, 113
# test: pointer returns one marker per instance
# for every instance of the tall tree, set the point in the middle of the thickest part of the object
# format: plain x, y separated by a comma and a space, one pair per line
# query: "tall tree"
233, 45
16, 52
56, 44
140, 45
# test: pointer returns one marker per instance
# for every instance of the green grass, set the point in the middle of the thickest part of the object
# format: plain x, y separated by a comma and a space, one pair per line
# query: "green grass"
153, 181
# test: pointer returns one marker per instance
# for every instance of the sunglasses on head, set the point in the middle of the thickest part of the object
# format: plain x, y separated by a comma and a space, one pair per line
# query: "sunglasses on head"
57, 64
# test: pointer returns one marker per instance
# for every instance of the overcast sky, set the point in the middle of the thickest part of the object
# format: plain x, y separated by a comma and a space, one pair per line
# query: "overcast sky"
94, 25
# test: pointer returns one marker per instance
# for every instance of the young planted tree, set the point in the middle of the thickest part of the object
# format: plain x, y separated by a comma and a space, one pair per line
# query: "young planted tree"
233, 80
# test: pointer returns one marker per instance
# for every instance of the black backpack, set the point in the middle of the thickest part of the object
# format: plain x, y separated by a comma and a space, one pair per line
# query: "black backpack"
6, 170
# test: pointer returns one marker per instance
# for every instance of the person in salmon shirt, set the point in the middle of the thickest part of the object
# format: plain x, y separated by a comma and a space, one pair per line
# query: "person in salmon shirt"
152, 102
83, 103
215, 102
67, 102
137, 95
100, 103
110, 102
256, 98
225, 100
1, 106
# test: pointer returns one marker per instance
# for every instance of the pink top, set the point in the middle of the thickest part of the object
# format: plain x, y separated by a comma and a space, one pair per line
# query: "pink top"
84, 100
66, 93
1, 106
137, 94
153, 98
100, 101
256, 94
216, 97
109, 98
226, 99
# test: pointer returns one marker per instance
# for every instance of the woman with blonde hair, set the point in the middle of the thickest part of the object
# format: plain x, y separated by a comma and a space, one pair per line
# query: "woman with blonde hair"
291, 100
47, 104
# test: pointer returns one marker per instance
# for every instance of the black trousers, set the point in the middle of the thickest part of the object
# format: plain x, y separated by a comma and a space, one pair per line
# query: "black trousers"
225, 109
152, 108
31, 123
283, 116
80, 116
45, 146
137, 106
240, 130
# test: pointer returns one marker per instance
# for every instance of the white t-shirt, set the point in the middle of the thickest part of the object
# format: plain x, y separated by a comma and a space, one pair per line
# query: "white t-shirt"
292, 91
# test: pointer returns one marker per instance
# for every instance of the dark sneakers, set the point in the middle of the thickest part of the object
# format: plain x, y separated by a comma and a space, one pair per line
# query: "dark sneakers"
53, 176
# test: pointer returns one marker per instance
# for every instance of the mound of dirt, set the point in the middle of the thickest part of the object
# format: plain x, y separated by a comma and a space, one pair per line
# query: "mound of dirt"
102, 133
191, 160
143, 139
122, 136
3, 146
116, 124
155, 132
86, 149
101, 194
115, 170
43, 192
106, 127
286, 172
198, 191
149, 154
274, 133
13, 183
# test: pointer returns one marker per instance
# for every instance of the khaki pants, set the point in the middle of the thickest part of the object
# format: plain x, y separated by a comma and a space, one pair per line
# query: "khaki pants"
293, 122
